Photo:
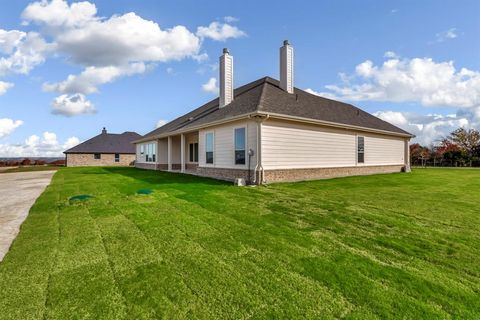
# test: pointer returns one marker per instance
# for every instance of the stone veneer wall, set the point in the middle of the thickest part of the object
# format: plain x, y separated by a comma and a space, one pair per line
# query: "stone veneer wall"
107, 159
145, 165
164, 166
223, 174
191, 166
284, 175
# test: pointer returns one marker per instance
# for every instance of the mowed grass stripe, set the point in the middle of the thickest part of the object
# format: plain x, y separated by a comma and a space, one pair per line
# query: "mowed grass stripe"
194, 239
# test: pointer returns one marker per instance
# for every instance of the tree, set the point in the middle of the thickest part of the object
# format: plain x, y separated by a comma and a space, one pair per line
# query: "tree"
415, 153
450, 152
467, 140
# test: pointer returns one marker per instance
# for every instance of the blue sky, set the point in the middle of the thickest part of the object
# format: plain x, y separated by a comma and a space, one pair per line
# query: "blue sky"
414, 63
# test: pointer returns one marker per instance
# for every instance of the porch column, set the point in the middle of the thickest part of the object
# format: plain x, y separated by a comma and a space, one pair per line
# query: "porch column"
182, 153
169, 153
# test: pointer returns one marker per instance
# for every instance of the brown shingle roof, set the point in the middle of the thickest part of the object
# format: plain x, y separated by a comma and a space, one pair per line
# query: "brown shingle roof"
265, 95
108, 143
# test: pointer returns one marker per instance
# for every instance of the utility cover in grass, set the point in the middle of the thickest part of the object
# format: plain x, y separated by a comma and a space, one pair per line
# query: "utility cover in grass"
81, 197
144, 191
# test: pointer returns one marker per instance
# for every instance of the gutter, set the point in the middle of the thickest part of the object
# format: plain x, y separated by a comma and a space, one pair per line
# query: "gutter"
276, 116
189, 129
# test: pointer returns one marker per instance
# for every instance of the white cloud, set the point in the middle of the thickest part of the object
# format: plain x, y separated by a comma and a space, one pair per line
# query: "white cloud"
446, 35
24, 51
35, 146
7, 126
108, 48
220, 31
160, 123
431, 128
58, 13
230, 19
10, 39
419, 80
91, 77
122, 39
71, 105
391, 54
210, 86
71, 142
200, 57
4, 86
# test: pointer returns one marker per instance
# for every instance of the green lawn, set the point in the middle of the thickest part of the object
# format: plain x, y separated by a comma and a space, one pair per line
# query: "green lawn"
387, 246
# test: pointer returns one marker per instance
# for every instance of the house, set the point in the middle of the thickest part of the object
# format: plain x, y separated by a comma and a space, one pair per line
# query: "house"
105, 149
270, 131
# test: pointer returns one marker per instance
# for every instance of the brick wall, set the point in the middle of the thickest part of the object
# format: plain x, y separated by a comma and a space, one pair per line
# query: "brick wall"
284, 175
106, 159
191, 166
224, 174
271, 176
142, 165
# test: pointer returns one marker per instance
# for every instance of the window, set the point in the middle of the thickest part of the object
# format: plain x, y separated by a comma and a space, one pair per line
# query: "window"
150, 152
193, 152
209, 147
240, 146
117, 157
142, 149
97, 156
360, 149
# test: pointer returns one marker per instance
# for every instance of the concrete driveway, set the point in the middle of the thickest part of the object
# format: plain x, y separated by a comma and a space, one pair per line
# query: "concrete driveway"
18, 192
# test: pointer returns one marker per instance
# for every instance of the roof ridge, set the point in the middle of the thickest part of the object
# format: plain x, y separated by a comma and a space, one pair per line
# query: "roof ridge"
262, 95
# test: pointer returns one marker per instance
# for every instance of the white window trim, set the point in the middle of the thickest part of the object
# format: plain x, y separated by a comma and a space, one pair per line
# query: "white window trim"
356, 150
205, 150
246, 147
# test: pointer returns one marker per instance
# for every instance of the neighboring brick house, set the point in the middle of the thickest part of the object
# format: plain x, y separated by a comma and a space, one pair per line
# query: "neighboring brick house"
270, 131
106, 149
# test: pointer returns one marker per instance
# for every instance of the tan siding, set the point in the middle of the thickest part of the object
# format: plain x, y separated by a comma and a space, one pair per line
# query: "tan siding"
289, 145
162, 151
224, 153
382, 150
175, 149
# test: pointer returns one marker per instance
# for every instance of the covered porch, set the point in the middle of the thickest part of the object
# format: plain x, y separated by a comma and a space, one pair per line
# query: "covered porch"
178, 153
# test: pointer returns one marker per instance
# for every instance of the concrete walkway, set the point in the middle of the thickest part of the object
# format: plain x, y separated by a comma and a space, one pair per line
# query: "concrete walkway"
18, 192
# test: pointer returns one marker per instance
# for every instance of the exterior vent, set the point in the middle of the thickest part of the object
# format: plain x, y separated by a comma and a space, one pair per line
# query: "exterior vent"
286, 67
226, 78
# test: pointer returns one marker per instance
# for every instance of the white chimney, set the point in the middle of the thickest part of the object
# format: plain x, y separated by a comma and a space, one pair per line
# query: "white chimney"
286, 67
226, 78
